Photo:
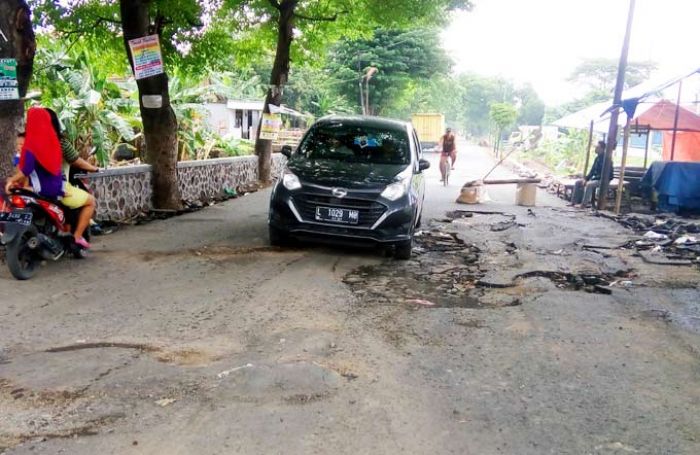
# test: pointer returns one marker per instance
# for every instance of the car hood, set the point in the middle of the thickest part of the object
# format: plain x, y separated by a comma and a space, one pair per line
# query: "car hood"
335, 173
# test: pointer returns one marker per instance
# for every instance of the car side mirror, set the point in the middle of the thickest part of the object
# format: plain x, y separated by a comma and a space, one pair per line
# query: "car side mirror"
287, 151
423, 165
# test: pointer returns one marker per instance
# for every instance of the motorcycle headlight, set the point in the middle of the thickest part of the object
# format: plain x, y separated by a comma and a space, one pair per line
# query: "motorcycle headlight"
291, 181
395, 191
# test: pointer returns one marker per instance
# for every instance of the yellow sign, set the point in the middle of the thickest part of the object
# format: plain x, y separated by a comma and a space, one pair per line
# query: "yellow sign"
271, 126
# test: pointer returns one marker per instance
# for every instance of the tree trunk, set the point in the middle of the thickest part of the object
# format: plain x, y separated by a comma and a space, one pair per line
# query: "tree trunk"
16, 41
278, 78
160, 123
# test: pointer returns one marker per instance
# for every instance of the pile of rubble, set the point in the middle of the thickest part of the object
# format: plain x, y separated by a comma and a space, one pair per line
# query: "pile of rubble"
677, 239
441, 273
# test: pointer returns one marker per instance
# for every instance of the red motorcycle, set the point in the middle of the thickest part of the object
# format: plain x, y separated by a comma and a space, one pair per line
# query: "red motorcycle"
35, 229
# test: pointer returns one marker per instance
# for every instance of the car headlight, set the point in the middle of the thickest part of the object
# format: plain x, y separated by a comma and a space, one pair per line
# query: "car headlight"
291, 181
395, 191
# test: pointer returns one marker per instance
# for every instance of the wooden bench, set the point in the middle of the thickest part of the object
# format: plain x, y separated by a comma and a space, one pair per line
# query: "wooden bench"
564, 188
633, 177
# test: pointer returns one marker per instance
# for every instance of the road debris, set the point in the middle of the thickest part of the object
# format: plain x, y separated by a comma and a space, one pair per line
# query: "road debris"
225, 373
440, 274
420, 302
165, 402
667, 239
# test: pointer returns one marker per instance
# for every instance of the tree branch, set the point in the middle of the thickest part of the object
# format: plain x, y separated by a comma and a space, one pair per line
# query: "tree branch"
319, 18
97, 23
275, 4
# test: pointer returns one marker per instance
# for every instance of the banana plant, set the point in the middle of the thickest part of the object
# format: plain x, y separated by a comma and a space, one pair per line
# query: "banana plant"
97, 114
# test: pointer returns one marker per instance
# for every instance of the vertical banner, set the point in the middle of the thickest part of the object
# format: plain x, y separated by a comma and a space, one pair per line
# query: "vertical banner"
8, 79
148, 60
271, 126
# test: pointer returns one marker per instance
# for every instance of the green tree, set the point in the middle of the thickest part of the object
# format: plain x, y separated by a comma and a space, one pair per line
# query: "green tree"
17, 42
95, 110
532, 107
111, 25
314, 24
404, 59
504, 116
600, 74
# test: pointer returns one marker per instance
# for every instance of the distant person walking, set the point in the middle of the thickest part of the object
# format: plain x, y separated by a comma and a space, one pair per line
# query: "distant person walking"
448, 142
584, 188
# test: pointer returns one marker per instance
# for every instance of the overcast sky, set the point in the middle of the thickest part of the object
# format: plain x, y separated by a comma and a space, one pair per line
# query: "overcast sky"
542, 41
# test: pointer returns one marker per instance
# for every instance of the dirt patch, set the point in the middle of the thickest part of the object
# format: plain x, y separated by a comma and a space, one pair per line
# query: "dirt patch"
186, 357
183, 357
304, 398
214, 252
440, 274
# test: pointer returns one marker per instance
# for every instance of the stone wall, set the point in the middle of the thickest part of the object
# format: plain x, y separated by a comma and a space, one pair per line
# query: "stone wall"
124, 193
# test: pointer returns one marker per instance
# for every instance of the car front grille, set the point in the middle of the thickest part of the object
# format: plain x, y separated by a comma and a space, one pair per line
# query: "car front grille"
370, 211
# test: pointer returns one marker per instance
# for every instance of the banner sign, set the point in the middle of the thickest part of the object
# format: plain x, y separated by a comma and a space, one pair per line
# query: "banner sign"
8, 79
148, 60
271, 126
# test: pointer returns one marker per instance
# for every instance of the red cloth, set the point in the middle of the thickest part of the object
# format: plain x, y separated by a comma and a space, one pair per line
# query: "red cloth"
662, 117
41, 139
687, 146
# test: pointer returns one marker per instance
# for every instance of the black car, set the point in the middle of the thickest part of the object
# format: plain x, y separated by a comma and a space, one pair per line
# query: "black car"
352, 180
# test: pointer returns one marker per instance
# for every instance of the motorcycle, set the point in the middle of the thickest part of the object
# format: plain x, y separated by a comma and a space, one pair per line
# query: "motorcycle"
35, 229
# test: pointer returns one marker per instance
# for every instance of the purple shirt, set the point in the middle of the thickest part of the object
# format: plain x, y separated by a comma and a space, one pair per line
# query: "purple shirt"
43, 182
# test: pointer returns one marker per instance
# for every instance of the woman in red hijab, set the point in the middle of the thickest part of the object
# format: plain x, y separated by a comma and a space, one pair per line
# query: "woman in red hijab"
41, 157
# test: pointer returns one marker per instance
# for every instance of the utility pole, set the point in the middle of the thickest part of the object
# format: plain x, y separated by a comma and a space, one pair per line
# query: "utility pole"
614, 115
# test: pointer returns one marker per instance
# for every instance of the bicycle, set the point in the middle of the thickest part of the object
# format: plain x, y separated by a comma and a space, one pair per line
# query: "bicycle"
445, 168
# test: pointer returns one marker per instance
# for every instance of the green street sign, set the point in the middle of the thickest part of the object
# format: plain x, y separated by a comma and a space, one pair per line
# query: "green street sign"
8, 79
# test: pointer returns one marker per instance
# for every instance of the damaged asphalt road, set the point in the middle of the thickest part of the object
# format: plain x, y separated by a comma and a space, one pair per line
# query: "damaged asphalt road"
488, 341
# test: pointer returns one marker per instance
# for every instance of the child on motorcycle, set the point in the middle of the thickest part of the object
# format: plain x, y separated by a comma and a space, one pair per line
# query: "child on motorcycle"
75, 198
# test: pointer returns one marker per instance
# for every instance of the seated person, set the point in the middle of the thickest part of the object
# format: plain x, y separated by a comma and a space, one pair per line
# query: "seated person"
584, 189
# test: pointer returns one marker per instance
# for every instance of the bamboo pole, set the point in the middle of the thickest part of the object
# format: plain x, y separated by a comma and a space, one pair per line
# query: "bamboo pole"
588, 150
621, 179
646, 150
617, 102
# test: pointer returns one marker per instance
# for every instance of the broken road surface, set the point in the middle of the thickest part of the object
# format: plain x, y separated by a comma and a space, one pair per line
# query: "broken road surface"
192, 335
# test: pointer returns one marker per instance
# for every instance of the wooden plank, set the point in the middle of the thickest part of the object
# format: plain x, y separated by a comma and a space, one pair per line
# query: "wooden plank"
510, 181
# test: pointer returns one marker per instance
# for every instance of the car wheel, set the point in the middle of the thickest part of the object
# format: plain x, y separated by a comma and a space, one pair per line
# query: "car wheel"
402, 250
278, 237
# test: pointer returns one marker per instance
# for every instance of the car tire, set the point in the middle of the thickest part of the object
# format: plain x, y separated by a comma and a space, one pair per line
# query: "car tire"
278, 237
403, 250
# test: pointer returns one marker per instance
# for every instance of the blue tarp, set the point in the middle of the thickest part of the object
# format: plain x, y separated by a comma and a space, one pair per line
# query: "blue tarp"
677, 184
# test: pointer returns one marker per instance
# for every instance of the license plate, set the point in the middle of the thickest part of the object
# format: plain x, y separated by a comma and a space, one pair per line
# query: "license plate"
335, 215
25, 218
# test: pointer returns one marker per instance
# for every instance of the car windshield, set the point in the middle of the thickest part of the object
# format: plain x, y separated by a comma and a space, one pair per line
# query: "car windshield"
357, 144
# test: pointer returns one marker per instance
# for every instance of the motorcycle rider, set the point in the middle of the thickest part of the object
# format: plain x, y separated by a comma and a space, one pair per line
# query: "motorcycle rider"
75, 198
45, 158
40, 159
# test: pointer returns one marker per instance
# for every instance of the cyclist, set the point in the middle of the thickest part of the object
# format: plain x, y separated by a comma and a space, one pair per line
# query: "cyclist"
448, 144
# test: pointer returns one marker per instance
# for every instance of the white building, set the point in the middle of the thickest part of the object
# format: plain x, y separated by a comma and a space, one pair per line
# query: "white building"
235, 118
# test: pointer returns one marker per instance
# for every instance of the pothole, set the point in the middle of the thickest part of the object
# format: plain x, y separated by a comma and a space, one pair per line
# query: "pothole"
441, 273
